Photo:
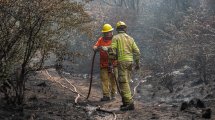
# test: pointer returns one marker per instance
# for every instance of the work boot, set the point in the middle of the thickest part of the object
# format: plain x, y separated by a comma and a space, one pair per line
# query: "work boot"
105, 98
126, 107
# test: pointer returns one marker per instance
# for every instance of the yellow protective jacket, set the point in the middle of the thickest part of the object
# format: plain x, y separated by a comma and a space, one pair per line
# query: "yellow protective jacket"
125, 47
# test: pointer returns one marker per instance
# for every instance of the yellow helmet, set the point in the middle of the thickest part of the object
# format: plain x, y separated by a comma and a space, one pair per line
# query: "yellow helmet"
120, 23
107, 28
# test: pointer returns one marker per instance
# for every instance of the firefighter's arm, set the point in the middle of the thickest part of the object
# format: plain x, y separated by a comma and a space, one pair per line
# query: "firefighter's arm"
114, 43
136, 53
112, 50
97, 46
112, 54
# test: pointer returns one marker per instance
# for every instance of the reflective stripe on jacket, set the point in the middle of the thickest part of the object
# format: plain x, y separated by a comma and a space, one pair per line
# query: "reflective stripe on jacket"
126, 47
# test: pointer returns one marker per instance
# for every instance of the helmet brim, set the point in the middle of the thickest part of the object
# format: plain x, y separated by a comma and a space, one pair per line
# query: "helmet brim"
104, 31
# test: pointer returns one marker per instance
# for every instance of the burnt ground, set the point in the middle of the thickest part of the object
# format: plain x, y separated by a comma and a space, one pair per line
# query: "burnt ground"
51, 96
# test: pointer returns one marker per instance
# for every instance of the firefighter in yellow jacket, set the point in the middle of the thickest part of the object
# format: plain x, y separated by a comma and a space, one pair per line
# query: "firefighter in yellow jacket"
127, 52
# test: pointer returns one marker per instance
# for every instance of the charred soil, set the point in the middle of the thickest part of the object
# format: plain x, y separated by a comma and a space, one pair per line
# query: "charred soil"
54, 96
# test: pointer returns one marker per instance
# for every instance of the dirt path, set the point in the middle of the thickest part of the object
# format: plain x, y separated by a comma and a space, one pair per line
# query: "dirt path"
144, 111
67, 82
54, 96
105, 110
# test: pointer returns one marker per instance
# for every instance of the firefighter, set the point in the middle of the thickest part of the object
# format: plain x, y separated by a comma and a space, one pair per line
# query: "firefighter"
127, 52
108, 69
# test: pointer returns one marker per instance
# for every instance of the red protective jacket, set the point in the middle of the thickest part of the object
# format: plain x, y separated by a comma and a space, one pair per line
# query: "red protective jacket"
103, 54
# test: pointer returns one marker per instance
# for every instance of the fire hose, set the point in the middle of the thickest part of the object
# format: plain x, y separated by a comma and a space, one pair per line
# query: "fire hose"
112, 72
91, 74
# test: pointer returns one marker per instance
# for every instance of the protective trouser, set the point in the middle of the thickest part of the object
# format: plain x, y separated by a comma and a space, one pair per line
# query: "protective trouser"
124, 69
109, 87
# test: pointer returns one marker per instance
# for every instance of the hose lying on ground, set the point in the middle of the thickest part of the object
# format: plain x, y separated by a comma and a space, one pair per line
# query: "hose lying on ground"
79, 94
91, 75
142, 81
74, 91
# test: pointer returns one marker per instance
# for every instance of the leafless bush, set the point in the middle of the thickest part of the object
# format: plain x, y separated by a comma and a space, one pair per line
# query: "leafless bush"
28, 27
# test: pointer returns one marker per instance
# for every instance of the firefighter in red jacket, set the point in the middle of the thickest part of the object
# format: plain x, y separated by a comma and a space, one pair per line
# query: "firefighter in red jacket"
108, 69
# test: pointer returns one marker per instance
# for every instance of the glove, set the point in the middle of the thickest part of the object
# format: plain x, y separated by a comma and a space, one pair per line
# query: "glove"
137, 67
97, 48
105, 48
